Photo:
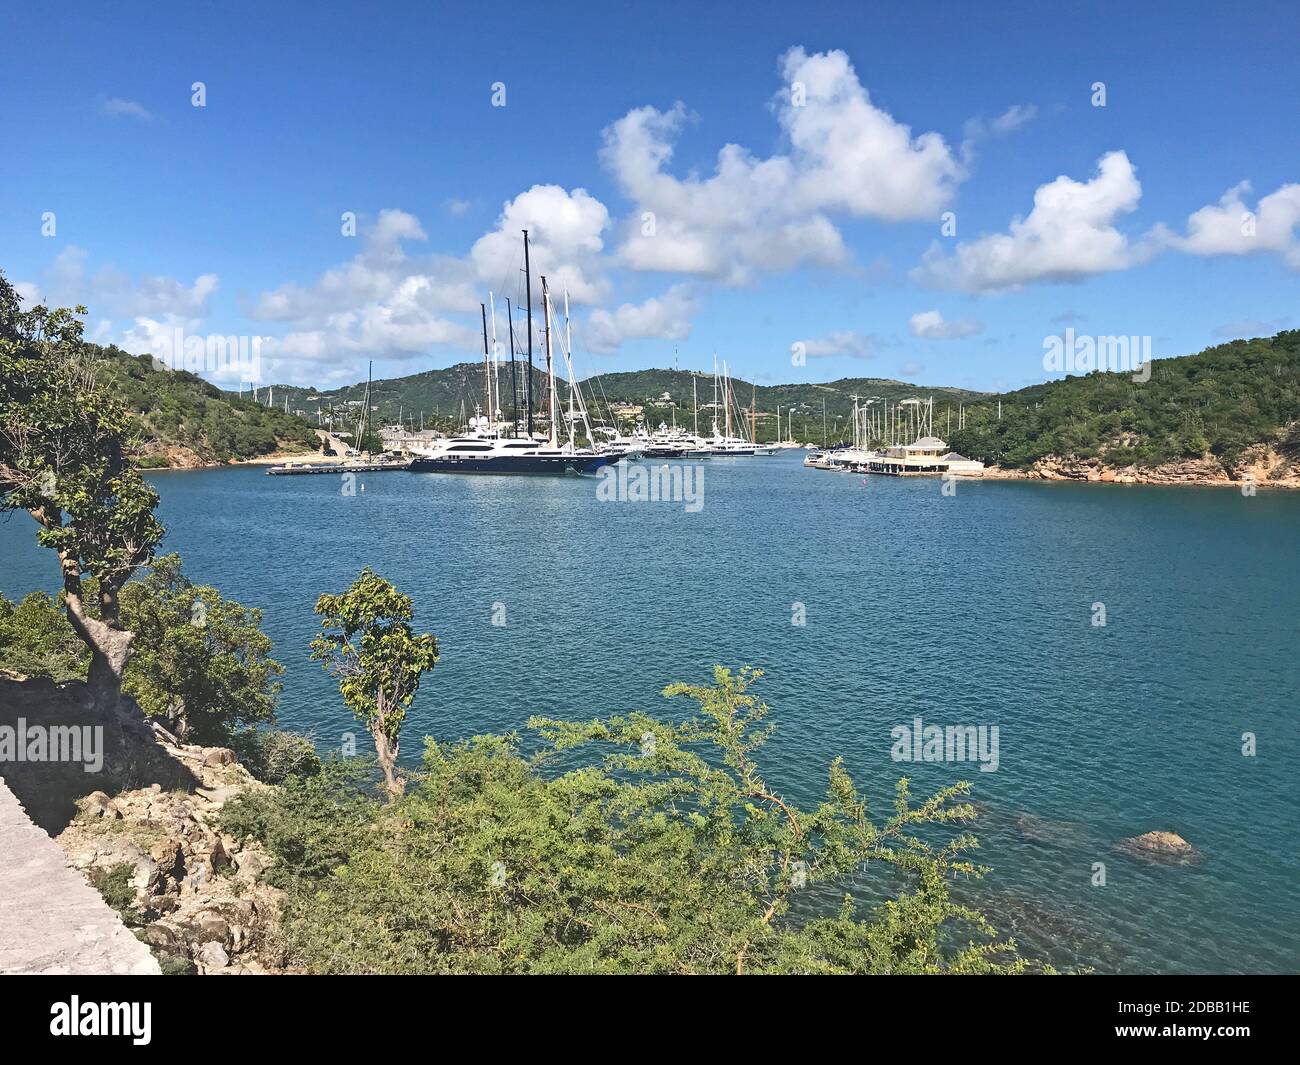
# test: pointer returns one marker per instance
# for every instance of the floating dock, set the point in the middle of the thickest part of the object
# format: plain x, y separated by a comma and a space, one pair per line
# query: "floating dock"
335, 467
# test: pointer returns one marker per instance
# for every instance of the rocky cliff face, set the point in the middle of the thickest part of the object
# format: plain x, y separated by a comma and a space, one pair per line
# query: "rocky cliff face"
1268, 468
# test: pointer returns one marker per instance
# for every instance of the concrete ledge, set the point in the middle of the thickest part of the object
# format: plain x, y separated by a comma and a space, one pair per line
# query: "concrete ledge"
51, 919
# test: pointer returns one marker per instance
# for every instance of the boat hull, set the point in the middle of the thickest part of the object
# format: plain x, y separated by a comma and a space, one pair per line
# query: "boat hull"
526, 465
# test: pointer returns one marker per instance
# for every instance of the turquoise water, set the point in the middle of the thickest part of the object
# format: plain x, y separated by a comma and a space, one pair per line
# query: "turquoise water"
975, 609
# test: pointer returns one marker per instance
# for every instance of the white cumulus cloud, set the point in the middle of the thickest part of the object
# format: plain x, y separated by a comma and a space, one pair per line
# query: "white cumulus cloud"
1229, 227
1070, 234
755, 214
930, 325
666, 317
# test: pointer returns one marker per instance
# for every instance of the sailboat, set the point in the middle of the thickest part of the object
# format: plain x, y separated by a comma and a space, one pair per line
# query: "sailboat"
483, 448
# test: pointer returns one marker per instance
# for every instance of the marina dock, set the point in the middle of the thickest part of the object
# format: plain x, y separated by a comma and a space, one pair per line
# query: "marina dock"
293, 469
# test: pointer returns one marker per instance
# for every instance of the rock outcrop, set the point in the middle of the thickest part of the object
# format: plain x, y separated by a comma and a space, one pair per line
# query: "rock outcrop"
200, 898
1166, 847
1264, 465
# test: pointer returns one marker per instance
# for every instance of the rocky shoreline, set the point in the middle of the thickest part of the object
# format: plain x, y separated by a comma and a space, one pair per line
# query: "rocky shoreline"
1261, 466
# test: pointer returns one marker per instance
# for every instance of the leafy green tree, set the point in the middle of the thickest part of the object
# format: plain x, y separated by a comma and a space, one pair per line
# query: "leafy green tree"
660, 848
37, 641
65, 458
368, 644
202, 663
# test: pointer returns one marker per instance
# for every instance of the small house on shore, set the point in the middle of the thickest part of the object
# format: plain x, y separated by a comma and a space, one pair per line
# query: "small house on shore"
926, 455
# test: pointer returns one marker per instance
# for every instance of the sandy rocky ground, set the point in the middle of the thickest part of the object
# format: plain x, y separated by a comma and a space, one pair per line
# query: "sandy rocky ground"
200, 900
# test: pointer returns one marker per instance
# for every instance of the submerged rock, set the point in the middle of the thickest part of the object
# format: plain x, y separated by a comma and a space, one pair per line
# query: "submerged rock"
1168, 847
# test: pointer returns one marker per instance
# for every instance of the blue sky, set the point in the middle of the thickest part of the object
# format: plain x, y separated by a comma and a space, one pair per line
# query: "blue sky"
821, 224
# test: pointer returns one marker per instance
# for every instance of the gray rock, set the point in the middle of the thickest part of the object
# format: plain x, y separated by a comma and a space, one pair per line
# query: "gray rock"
213, 928
213, 956
252, 865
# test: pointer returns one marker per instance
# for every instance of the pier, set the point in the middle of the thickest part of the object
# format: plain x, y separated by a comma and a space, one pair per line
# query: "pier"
292, 469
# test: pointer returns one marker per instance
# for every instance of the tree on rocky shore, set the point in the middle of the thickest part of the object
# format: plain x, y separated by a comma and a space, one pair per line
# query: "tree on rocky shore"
368, 644
65, 458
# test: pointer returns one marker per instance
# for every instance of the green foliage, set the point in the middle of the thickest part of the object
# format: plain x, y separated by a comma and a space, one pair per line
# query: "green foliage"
116, 887
175, 408
202, 663
1218, 403
175, 964
367, 643
65, 444
659, 849
273, 755
37, 641
310, 823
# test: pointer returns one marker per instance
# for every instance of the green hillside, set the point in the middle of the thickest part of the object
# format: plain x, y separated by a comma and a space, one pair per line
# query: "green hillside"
1217, 403
444, 397
184, 420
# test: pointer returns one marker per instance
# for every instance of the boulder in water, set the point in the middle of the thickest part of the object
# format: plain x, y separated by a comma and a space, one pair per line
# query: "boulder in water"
1167, 847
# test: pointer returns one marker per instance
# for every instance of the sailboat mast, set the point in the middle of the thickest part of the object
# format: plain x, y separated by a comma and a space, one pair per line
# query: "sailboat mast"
514, 384
695, 405
550, 365
573, 380
528, 289
726, 397
487, 374
495, 405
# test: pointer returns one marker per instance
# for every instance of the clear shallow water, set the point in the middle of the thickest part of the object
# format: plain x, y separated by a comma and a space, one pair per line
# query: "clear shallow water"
974, 609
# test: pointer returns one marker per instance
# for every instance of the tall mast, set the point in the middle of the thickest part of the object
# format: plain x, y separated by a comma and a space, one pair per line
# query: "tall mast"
496, 363
695, 405
528, 289
514, 385
550, 365
726, 396
753, 412
573, 380
715, 393
487, 375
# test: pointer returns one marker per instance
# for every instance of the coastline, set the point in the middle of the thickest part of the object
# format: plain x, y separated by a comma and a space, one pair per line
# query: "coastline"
1262, 467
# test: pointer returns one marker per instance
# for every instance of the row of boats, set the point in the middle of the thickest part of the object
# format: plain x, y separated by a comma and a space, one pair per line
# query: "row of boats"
485, 451
572, 444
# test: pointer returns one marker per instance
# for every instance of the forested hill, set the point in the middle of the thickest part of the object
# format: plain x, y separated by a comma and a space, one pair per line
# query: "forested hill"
442, 395
185, 421
1214, 404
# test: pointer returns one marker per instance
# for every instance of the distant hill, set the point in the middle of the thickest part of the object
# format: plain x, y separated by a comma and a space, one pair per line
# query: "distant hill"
1215, 405
1211, 407
185, 421
444, 397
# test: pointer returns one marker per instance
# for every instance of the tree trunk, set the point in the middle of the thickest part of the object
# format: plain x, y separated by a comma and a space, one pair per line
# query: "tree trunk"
386, 751
110, 645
